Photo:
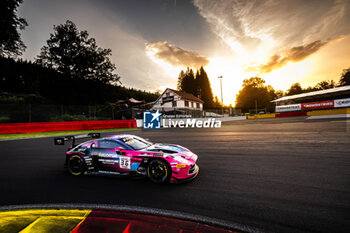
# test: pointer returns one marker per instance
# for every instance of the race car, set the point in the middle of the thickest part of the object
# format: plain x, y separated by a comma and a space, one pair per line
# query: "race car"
131, 155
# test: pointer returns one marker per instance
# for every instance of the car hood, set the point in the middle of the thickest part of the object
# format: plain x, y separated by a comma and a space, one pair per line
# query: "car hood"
175, 150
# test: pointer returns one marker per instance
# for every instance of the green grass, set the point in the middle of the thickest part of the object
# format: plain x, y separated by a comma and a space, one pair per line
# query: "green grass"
56, 133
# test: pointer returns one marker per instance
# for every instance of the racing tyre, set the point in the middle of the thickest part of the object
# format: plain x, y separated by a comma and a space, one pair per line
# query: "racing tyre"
159, 171
76, 165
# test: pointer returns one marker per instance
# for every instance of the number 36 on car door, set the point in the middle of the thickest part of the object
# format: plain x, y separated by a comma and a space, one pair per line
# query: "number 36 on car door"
124, 162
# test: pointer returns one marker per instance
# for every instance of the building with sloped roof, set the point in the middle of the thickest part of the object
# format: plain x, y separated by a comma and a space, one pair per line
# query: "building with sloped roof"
177, 102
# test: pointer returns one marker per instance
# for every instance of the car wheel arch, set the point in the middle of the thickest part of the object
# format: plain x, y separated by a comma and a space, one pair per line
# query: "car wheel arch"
69, 156
168, 178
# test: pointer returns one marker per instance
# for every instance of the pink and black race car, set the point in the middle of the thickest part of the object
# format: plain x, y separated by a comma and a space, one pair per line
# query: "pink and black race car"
129, 155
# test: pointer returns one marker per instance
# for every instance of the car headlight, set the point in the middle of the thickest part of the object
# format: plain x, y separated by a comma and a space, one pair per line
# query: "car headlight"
180, 165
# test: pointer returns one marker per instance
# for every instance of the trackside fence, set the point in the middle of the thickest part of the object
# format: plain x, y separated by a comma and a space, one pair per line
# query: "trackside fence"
22, 113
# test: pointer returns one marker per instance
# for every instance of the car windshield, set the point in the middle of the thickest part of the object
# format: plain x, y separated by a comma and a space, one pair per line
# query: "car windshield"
137, 143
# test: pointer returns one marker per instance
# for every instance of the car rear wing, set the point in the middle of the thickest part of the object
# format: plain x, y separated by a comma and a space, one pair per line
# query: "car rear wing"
60, 140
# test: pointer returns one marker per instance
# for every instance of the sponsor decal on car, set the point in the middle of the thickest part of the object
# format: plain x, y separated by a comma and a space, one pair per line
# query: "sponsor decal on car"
108, 161
124, 162
105, 155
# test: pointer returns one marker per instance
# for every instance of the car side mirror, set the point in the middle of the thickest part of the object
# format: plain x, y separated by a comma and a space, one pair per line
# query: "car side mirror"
118, 150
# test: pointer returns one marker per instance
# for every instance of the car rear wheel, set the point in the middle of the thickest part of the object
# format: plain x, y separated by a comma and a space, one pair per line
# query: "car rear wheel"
159, 171
76, 165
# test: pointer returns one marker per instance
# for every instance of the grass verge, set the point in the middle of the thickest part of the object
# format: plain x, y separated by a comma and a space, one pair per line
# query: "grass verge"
56, 133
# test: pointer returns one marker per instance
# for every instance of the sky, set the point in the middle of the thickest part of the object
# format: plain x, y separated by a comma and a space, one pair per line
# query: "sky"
281, 41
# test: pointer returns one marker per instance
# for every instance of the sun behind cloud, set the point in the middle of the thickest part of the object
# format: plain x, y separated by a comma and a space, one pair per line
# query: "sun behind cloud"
265, 39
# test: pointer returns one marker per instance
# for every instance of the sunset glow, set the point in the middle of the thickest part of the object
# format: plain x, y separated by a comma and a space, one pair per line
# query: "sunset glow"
283, 42
263, 51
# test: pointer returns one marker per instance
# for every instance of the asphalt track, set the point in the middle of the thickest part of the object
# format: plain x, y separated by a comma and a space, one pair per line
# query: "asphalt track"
277, 175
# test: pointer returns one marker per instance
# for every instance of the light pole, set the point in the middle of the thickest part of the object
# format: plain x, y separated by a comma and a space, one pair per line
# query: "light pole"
222, 98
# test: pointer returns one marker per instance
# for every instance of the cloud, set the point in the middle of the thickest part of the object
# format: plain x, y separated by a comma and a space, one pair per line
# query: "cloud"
174, 55
252, 24
294, 54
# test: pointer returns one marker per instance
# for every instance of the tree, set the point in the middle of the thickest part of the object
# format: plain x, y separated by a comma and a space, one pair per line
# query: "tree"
198, 86
10, 24
255, 94
179, 80
186, 82
74, 54
323, 85
295, 89
204, 88
279, 94
217, 103
345, 77
254, 82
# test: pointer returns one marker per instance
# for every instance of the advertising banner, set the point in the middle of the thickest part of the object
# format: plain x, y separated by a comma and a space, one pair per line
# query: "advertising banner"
317, 105
288, 108
339, 103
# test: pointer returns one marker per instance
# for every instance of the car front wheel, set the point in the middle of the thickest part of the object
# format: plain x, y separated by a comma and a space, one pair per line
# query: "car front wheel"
159, 171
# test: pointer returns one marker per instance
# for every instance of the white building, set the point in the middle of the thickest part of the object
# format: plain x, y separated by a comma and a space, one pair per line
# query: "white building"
172, 100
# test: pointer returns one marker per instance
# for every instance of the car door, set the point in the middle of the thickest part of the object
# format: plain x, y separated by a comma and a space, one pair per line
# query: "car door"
106, 158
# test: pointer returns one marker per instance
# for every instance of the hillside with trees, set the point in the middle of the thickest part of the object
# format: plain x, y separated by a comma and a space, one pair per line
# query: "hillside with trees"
24, 82
70, 69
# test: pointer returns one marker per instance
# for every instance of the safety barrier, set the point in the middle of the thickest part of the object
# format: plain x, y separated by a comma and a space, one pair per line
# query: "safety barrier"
290, 114
329, 112
271, 115
34, 127
303, 113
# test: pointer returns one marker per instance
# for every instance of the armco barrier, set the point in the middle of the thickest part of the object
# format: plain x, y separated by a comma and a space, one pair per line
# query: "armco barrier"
271, 115
12, 128
329, 112
290, 114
